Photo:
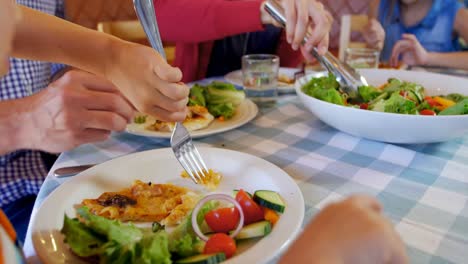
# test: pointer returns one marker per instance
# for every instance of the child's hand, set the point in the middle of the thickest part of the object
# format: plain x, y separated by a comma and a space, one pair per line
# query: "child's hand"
374, 34
351, 231
410, 50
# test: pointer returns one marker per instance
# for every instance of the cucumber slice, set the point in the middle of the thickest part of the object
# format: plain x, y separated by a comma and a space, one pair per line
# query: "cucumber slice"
258, 229
269, 199
236, 191
203, 259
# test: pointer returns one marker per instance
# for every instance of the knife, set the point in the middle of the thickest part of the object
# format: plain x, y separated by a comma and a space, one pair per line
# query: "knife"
71, 170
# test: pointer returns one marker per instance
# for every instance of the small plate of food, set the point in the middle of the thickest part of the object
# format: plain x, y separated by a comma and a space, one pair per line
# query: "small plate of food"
213, 108
140, 208
285, 79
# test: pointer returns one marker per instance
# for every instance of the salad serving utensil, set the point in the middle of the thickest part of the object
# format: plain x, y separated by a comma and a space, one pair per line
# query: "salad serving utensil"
181, 141
346, 75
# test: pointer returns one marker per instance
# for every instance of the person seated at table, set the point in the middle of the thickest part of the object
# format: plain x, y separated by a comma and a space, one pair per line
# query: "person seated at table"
212, 35
424, 32
80, 107
373, 34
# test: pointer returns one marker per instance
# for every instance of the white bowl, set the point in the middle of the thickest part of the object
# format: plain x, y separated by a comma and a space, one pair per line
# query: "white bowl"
389, 127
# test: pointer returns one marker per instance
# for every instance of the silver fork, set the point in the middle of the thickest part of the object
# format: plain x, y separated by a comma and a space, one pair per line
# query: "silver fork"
181, 141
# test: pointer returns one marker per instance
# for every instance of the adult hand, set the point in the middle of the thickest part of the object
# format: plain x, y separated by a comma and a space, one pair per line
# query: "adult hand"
77, 108
410, 50
351, 231
305, 16
374, 34
149, 83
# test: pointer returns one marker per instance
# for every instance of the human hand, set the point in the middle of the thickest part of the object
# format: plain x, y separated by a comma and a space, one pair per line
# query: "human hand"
77, 108
149, 83
410, 50
305, 16
374, 34
351, 231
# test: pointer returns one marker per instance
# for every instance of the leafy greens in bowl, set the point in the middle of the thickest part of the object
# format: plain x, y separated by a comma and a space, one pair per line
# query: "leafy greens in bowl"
400, 102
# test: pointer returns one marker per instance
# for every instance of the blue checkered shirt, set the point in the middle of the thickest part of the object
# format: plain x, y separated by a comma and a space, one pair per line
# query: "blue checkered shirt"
22, 172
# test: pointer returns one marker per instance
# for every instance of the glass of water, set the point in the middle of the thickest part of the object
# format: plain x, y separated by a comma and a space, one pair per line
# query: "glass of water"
260, 77
362, 57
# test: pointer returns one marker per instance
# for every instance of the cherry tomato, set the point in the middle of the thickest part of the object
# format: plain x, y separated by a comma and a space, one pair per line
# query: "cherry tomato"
223, 220
431, 101
364, 106
252, 211
427, 112
220, 242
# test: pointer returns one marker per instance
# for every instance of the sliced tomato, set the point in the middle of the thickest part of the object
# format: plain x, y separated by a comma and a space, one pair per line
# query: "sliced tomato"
252, 211
364, 106
220, 242
427, 112
223, 220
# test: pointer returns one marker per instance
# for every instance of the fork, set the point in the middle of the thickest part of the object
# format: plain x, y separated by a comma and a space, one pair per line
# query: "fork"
181, 141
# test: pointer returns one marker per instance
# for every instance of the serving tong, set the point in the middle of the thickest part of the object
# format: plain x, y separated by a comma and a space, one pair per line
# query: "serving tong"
181, 141
348, 78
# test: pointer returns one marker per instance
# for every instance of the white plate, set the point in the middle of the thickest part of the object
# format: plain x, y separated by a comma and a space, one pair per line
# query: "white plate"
389, 127
245, 112
235, 77
240, 170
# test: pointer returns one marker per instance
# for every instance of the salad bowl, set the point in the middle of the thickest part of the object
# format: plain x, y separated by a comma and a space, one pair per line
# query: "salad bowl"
391, 127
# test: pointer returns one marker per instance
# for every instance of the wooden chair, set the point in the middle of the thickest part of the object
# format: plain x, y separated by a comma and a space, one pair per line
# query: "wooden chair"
349, 24
131, 30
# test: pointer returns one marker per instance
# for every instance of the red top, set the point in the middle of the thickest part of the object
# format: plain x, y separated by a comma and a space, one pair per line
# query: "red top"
194, 25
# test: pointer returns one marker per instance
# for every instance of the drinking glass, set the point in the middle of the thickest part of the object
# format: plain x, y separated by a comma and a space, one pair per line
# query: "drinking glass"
260, 78
362, 57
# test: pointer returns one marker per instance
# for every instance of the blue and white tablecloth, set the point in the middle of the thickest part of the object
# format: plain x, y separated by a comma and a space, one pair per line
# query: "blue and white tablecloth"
423, 188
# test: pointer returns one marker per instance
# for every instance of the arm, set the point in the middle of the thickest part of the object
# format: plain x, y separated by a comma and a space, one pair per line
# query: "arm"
460, 26
457, 60
139, 72
205, 20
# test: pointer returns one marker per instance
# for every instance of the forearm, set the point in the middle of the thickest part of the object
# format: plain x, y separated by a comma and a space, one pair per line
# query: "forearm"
13, 120
457, 60
206, 20
44, 37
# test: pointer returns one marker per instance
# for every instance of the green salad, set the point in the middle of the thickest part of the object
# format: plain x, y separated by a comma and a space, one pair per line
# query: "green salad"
395, 96
209, 234
220, 98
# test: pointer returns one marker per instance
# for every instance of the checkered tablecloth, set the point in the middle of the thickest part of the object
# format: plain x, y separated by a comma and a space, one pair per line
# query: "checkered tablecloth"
423, 188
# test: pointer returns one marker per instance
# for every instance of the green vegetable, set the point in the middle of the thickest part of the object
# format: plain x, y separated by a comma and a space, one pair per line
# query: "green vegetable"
82, 240
113, 241
455, 97
113, 229
197, 95
269, 199
368, 93
155, 227
223, 93
398, 104
183, 241
460, 108
257, 229
141, 119
204, 259
325, 89
226, 110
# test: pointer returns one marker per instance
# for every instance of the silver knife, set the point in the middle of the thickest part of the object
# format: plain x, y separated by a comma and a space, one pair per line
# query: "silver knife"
71, 170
